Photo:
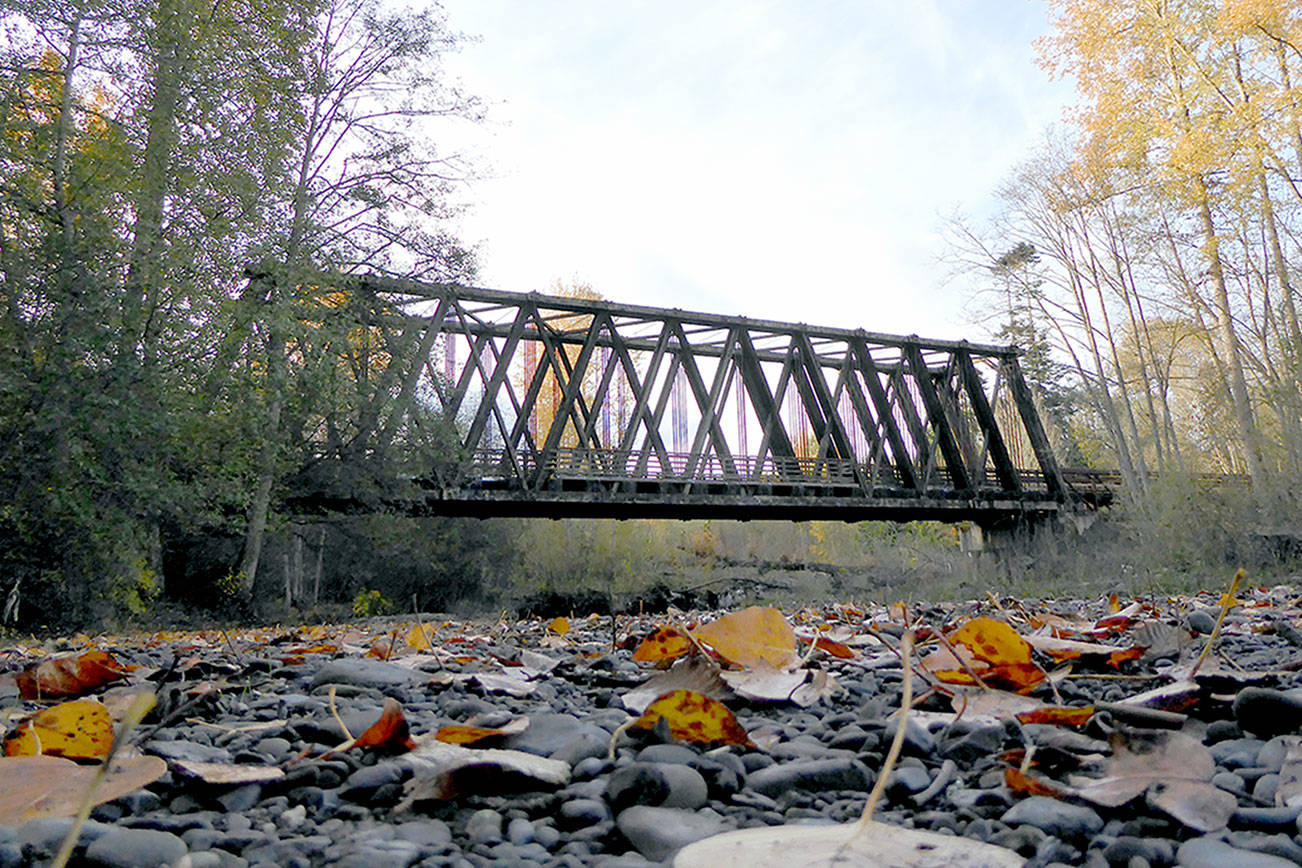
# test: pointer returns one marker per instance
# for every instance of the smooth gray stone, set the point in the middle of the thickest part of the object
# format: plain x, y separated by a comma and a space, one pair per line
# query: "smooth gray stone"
188, 750
1060, 819
912, 779
241, 799
1268, 712
135, 848
364, 672
1275, 845
381, 854
46, 835
584, 746
687, 787
668, 753
578, 813
917, 738
1201, 621
484, 827
424, 833
1236, 753
519, 831
815, 775
550, 733
1209, 852
658, 833
636, 784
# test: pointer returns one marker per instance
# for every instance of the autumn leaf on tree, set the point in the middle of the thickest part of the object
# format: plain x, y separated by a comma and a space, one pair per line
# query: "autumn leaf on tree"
695, 718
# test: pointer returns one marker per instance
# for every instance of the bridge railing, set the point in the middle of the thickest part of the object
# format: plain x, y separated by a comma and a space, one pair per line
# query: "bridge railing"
612, 466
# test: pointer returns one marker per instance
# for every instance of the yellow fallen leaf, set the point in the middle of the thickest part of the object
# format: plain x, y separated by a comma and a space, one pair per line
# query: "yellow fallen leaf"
753, 636
695, 718
82, 729
559, 626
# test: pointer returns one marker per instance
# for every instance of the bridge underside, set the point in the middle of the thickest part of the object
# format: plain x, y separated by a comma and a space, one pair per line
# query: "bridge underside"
586, 499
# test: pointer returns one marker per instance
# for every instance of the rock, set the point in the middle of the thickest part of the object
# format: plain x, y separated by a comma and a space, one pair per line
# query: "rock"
918, 740
366, 672
636, 784
1155, 851
687, 787
426, 833
578, 813
910, 779
1201, 621
1236, 753
46, 835
484, 827
1210, 852
815, 775
189, 750
240, 799
550, 733
658, 833
1268, 712
135, 848
584, 746
1057, 818
363, 784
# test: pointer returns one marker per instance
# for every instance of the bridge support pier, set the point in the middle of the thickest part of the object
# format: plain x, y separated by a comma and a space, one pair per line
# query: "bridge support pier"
1019, 535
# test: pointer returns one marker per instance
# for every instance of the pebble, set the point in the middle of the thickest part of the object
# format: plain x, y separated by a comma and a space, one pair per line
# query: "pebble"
1268, 712
135, 848
817, 775
658, 833
1055, 817
1209, 852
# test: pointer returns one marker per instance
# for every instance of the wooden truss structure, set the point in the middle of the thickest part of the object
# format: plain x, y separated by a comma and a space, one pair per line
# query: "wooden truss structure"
576, 407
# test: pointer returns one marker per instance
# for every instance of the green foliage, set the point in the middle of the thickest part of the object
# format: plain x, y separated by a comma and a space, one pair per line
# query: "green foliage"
371, 603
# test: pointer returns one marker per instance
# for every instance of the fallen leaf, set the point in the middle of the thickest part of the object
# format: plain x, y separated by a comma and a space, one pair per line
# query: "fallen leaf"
81, 729
508, 684
559, 626
228, 774
666, 643
695, 718
764, 683
69, 676
875, 844
390, 732
462, 734
1059, 715
421, 637
695, 673
757, 634
1026, 785
1289, 791
1173, 768
443, 771
36, 787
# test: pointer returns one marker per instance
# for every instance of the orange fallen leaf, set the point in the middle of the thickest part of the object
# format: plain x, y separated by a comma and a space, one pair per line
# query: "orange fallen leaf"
559, 626
755, 635
390, 732
992, 641
1116, 658
421, 637
695, 718
1114, 603
1059, 715
831, 646
1025, 785
666, 643
462, 734
69, 676
81, 729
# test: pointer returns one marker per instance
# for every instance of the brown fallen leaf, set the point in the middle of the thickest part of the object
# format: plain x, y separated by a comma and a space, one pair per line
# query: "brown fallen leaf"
443, 771
1174, 769
35, 787
228, 773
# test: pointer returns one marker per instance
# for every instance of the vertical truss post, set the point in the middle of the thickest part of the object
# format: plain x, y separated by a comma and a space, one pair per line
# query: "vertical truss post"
954, 462
1005, 470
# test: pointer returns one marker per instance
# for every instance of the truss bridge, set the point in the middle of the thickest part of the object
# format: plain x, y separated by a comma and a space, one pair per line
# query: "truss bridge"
568, 407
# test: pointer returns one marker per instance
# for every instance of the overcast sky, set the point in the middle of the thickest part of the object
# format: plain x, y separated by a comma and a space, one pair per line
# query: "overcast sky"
784, 160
